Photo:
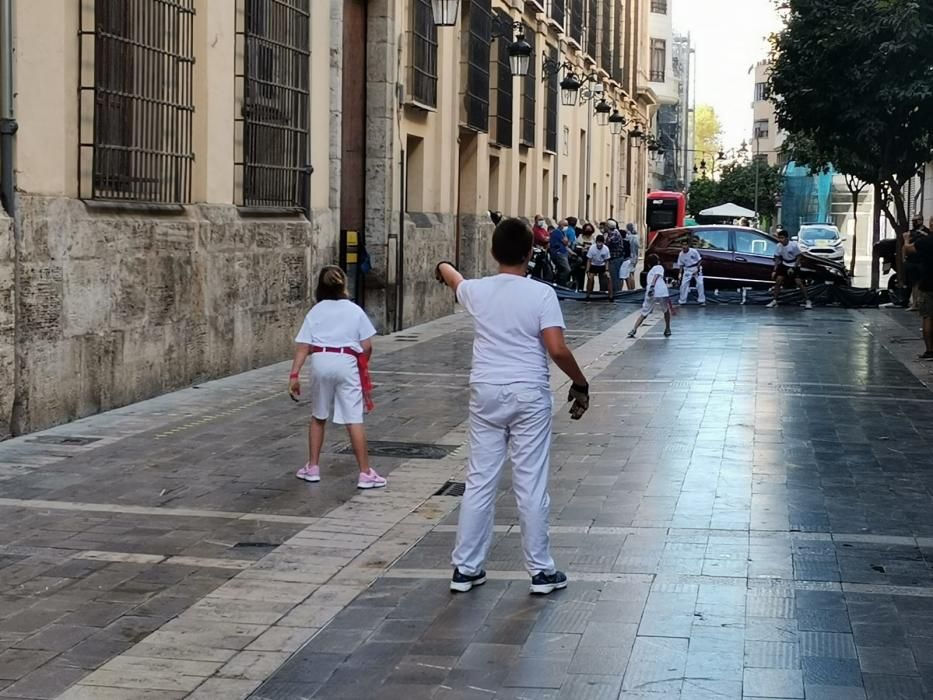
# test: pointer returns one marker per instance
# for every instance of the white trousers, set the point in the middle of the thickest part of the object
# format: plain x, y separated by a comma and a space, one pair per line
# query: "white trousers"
689, 274
512, 420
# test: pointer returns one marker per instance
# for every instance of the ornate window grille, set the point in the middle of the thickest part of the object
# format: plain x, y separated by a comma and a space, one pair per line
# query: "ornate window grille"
530, 84
503, 101
274, 116
423, 54
575, 10
551, 107
137, 101
476, 99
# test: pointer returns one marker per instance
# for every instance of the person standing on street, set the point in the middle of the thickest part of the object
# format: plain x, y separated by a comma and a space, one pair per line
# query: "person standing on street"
517, 325
542, 237
657, 296
634, 245
921, 250
337, 334
618, 251
560, 254
690, 263
787, 268
597, 265
913, 264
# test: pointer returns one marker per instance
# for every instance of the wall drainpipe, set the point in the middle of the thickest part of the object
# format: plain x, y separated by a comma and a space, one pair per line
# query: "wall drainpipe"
8, 127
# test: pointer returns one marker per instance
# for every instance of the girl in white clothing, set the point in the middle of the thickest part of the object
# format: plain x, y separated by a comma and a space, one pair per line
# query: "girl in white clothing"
337, 334
657, 296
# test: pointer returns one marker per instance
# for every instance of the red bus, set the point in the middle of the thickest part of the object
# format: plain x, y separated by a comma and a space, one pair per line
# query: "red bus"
665, 210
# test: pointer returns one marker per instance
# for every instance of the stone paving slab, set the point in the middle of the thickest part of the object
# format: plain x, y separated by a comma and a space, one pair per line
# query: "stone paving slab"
736, 523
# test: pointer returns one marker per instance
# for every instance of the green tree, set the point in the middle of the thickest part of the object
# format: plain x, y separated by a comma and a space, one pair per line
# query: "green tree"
703, 194
738, 185
708, 132
855, 78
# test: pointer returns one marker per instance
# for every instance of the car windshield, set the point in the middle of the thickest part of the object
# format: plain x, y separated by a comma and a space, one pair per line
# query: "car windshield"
813, 234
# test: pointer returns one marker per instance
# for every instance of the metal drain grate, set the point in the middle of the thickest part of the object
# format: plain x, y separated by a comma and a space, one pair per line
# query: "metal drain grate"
255, 545
406, 450
69, 440
451, 488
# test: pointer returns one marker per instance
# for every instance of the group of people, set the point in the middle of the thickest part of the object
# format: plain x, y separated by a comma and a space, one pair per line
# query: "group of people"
606, 254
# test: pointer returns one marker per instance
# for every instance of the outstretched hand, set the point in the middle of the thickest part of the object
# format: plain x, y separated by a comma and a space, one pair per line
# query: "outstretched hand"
579, 394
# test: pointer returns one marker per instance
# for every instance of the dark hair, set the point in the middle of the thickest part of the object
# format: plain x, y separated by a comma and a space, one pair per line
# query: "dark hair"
783, 232
600, 238
572, 220
511, 242
331, 284
589, 227
652, 260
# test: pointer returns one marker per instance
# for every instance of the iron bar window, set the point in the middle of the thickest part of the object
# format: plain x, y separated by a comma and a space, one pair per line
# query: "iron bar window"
530, 84
592, 27
551, 106
659, 7
503, 101
556, 11
423, 54
658, 60
761, 92
274, 115
576, 20
476, 99
136, 101
617, 72
606, 33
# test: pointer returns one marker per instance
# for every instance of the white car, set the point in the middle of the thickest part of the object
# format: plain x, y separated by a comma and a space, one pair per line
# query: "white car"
823, 240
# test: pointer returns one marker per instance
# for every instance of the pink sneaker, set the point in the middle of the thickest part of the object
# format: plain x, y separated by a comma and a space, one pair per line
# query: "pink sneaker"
309, 473
370, 480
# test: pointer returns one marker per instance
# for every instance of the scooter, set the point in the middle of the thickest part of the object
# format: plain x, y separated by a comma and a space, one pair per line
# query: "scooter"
541, 267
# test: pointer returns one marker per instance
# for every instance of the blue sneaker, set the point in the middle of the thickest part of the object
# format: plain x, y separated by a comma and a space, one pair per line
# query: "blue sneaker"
461, 583
542, 583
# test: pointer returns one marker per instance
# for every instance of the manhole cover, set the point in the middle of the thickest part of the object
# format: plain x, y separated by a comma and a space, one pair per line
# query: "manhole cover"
451, 488
411, 450
73, 440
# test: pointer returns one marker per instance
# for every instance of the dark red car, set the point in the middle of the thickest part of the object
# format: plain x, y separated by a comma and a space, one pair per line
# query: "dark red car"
736, 256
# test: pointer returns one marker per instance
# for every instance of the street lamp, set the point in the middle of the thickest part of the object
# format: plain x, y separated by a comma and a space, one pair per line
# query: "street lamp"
616, 122
569, 89
520, 55
603, 110
446, 12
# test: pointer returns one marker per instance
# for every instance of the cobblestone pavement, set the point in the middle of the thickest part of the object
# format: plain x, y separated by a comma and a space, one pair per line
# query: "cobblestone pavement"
745, 512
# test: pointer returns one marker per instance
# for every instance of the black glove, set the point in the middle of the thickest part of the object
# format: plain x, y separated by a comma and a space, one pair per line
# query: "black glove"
437, 270
580, 396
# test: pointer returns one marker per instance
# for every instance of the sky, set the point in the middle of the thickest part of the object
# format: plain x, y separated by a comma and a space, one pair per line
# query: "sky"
729, 37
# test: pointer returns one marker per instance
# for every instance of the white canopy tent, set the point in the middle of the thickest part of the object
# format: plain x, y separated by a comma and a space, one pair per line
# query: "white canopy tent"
729, 211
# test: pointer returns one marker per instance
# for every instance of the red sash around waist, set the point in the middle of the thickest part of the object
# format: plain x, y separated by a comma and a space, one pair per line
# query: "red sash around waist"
362, 362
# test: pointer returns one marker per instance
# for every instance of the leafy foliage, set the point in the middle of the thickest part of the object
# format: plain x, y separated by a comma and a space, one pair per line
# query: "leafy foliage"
708, 131
703, 194
852, 81
737, 185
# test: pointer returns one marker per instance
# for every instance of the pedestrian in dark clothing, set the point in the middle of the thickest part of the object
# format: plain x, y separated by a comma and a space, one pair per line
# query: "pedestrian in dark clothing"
920, 251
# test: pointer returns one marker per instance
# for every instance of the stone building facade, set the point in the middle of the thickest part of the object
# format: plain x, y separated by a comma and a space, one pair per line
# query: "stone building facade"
183, 168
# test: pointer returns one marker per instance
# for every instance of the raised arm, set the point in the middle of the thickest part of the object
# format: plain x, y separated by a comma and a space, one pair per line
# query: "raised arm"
449, 275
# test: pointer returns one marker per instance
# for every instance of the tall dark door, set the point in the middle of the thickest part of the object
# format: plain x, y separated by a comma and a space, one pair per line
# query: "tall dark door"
353, 125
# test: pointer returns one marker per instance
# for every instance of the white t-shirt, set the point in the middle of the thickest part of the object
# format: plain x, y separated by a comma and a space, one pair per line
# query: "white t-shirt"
598, 256
336, 324
787, 254
691, 258
656, 282
509, 312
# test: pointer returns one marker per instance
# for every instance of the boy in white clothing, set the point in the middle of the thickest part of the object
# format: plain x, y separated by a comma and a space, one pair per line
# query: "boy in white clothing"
657, 296
690, 263
597, 265
518, 324
787, 268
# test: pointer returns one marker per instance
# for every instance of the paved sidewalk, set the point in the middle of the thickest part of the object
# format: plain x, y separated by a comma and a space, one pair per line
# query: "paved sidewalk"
745, 512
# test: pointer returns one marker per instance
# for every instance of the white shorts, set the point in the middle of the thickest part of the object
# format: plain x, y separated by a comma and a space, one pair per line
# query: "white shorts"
628, 267
335, 385
660, 304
